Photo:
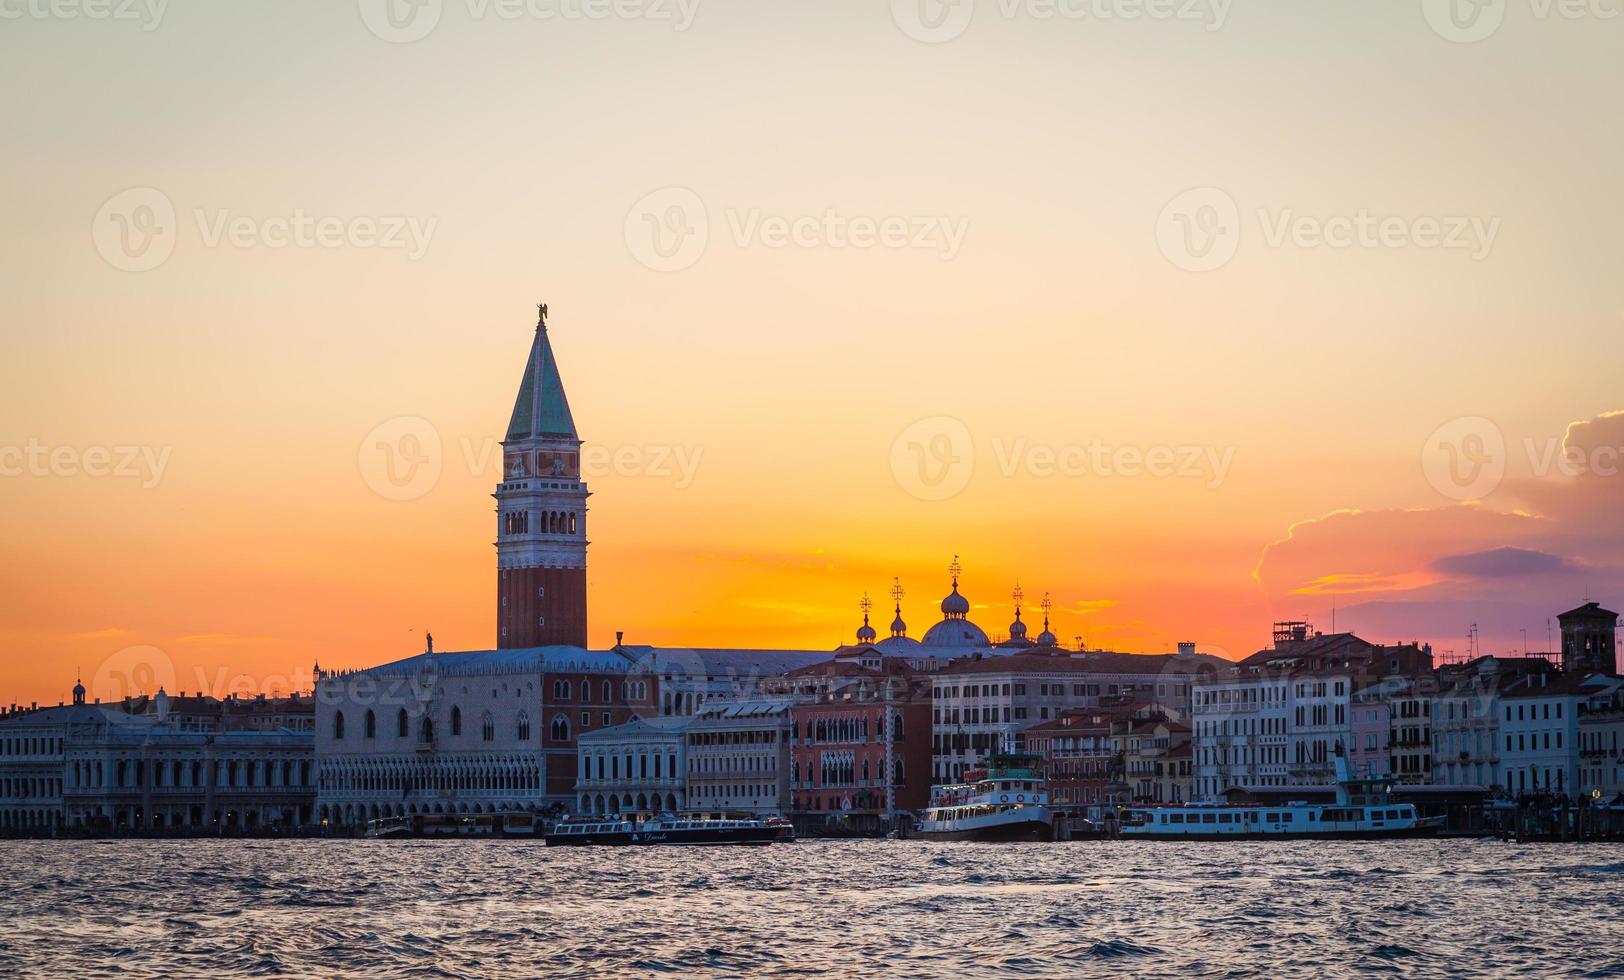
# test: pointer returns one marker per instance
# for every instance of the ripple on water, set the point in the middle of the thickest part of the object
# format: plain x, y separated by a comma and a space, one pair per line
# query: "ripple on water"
902, 908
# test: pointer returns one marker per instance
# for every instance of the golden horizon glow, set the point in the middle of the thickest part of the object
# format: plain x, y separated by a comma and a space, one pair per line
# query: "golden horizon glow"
766, 418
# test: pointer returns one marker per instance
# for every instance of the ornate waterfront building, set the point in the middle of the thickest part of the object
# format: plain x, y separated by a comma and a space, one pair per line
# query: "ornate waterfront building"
159, 764
474, 732
639, 767
739, 756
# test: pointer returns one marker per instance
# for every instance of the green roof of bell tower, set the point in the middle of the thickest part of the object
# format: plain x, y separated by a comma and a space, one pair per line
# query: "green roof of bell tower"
541, 410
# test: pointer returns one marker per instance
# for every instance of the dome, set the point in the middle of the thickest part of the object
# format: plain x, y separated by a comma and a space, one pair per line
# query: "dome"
1017, 629
898, 627
865, 632
898, 645
955, 604
955, 633
1046, 639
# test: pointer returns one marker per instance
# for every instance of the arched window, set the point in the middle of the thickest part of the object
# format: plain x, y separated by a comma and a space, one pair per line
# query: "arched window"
608, 692
561, 729
338, 731
456, 720
372, 724
572, 522
402, 726
524, 726
427, 731
487, 728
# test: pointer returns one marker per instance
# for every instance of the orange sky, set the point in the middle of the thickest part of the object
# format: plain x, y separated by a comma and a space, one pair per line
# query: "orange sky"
191, 479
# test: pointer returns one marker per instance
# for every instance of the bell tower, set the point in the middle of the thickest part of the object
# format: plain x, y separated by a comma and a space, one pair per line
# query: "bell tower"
541, 513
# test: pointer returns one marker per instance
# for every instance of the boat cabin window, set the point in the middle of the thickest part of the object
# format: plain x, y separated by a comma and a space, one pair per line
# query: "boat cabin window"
1209, 818
1175, 818
1226, 818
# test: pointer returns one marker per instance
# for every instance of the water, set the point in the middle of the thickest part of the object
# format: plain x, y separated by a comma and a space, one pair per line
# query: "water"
851, 908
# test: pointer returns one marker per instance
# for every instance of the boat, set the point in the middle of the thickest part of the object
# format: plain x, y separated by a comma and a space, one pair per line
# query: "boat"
1362, 811
1007, 801
783, 828
662, 829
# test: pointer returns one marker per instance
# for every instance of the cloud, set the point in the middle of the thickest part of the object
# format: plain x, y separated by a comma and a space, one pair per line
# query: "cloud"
106, 634
1501, 563
1086, 607
1535, 548
226, 640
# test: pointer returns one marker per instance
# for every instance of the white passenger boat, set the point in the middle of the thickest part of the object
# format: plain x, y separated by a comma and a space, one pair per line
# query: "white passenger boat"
1007, 801
1355, 815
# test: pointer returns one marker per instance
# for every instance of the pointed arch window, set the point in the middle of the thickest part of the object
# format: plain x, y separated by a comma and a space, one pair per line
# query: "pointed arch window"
403, 726
524, 726
338, 733
371, 724
487, 728
561, 728
456, 720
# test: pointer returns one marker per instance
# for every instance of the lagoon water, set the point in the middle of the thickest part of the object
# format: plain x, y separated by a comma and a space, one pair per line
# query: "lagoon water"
306, 908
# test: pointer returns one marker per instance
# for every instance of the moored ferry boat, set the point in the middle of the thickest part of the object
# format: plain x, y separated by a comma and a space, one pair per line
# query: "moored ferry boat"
1361, 812
1006, 802
1309, 821
663, 829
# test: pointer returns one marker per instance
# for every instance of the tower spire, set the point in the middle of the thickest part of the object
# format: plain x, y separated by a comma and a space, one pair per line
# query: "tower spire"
899, 629
541, 507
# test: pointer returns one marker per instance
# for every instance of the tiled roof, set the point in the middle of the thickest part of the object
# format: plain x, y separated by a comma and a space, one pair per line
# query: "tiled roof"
541, 409
1087, 663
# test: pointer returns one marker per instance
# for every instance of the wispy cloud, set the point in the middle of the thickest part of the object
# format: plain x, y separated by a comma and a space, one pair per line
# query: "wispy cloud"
107, 634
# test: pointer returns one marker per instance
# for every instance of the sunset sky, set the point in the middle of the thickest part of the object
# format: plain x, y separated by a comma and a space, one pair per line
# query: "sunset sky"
891, 266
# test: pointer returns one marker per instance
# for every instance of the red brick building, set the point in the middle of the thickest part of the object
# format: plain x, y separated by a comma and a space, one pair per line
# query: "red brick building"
860, 743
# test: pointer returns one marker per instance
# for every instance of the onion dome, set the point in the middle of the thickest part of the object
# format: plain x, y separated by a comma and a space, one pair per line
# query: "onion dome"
955, 605
1046, 638
1017, 629
865, 632
898, 627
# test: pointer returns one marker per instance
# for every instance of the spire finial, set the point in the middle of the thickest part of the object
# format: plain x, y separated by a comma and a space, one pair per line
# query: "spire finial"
541, 316
954, 570
866, 604
1047, 605
897, 592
